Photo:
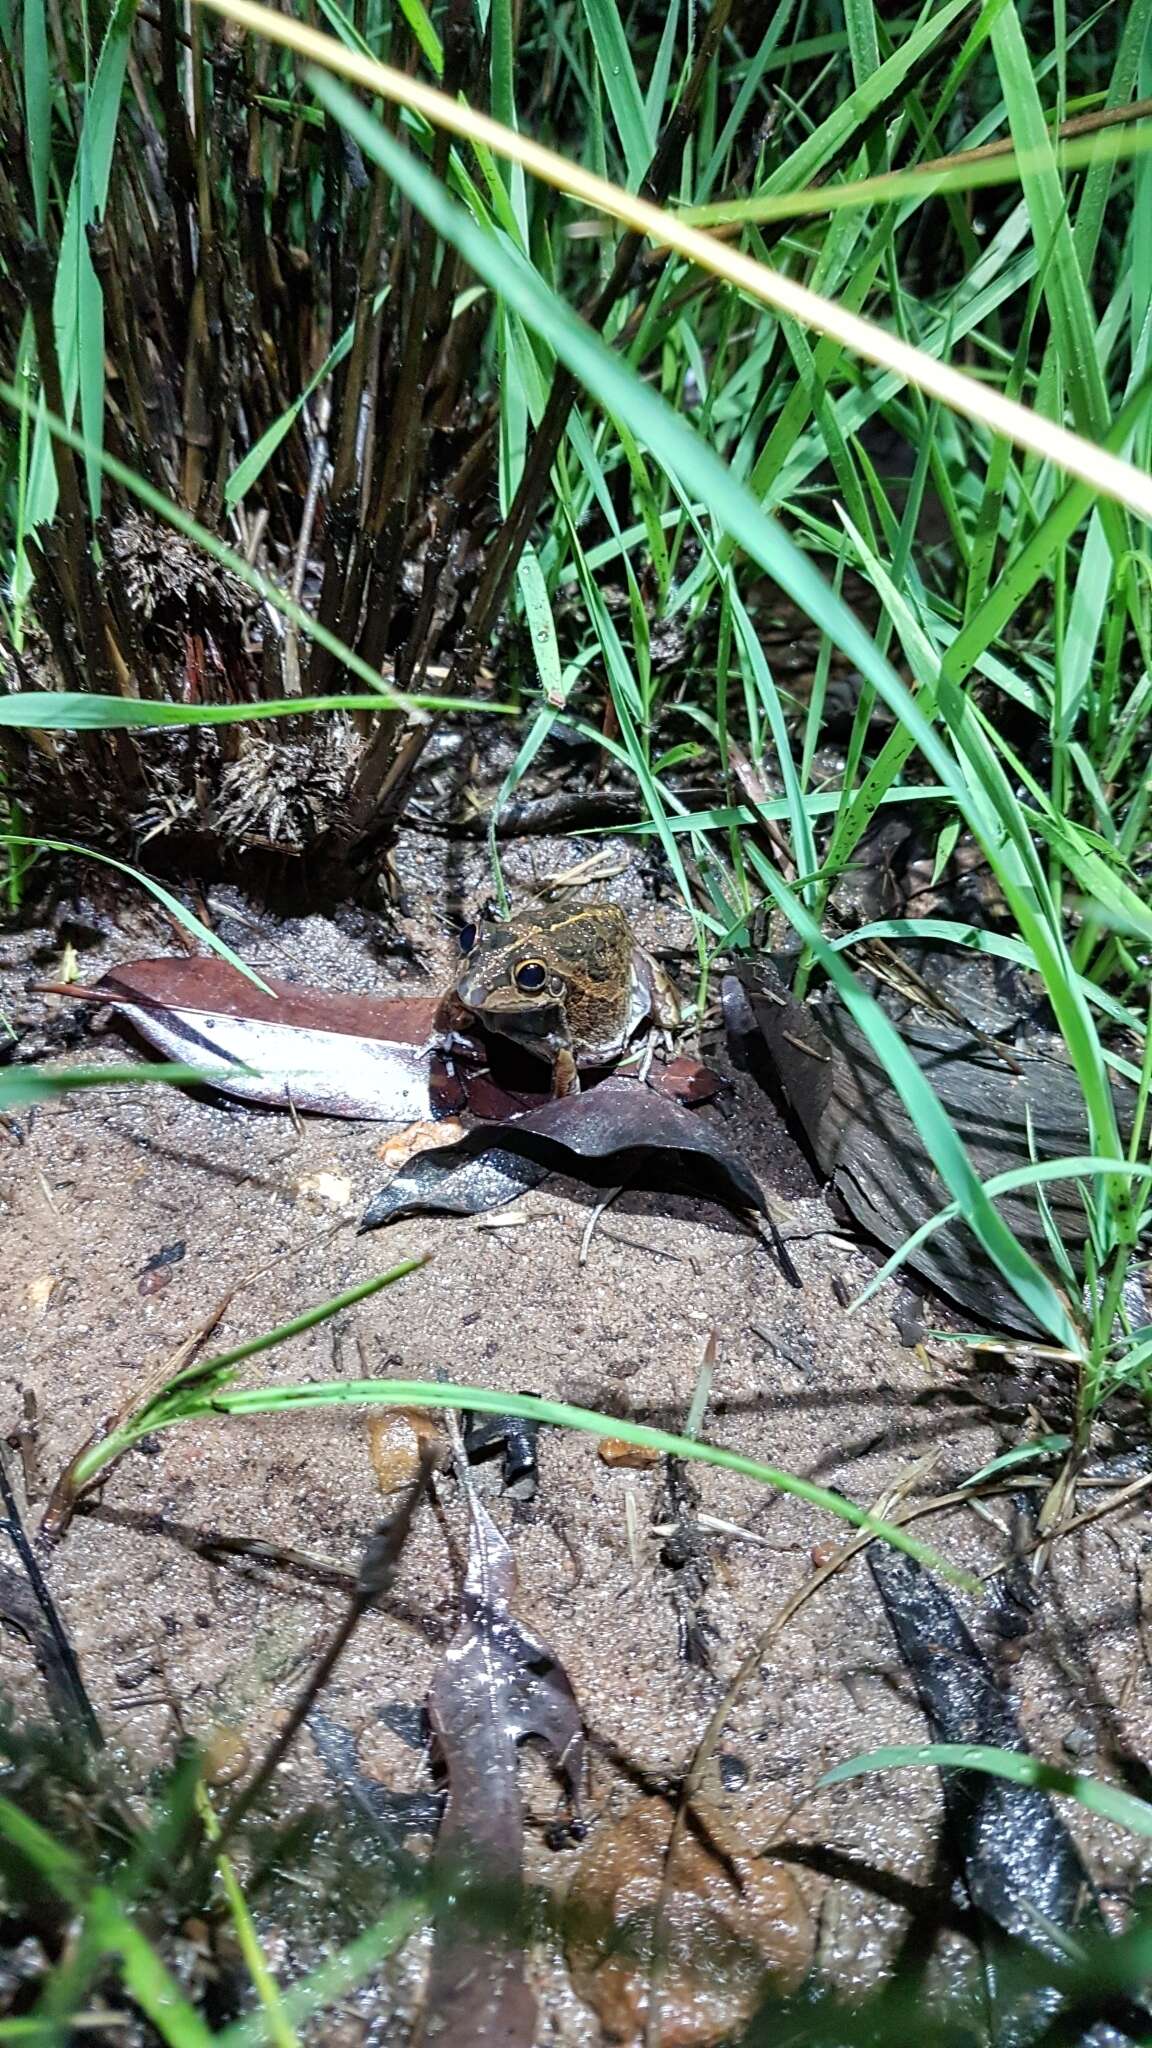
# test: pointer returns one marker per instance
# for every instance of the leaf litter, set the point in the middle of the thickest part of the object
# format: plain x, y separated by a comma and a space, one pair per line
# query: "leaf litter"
343, 1055
498, 1687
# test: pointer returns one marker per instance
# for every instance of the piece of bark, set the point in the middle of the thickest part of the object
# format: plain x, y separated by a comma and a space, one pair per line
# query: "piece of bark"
864, 1139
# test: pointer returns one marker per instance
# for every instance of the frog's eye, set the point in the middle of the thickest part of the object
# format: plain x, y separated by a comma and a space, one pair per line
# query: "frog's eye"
530, 976
467, 938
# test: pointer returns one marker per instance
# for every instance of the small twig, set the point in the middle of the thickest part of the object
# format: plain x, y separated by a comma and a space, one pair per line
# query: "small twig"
717, 1526
593, 1220
599, 867
300, 563
1107, 1507
787, 1265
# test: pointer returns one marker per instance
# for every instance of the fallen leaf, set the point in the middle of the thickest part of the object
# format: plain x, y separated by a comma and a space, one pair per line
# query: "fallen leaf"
455, 1182
342, 1055
612, 1450
397, 1150
384, 1058
498, 1686
684, 1080
619, 1131
401, 1442
731, 1922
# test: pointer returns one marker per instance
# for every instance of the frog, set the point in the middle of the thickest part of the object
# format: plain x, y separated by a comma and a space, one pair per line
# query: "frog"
568, 983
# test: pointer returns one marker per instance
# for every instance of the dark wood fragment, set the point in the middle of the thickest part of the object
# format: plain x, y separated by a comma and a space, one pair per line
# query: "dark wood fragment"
865, 1141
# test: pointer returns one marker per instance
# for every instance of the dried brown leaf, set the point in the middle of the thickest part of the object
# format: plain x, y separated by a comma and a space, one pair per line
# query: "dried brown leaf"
343, 1055
498, 1686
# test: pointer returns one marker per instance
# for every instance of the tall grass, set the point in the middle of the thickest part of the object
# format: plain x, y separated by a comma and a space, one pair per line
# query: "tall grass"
1002, 331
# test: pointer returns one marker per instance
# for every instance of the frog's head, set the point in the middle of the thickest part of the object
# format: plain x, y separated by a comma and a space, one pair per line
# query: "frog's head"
509, 977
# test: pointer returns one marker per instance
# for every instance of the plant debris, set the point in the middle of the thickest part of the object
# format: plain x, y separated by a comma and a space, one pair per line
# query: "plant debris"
343, 1055
403, 1059
734, 1923
618, 1131
498, 1686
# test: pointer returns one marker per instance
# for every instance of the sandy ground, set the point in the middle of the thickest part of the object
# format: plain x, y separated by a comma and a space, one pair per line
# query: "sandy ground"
170, 1642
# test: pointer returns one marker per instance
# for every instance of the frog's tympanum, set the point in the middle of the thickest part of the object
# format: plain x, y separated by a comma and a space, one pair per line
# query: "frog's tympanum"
567, 983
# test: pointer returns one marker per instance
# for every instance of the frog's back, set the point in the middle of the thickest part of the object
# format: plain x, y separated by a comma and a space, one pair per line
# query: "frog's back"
591, 949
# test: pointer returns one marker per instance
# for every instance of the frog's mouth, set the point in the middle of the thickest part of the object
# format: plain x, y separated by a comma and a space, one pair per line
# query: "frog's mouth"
530, 1017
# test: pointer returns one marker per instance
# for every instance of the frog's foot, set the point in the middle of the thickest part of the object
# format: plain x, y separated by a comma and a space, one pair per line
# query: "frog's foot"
565, 1078
663, 1040
647, 1056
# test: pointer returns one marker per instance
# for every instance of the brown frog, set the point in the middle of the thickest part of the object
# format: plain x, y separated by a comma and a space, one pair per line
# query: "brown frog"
567, 983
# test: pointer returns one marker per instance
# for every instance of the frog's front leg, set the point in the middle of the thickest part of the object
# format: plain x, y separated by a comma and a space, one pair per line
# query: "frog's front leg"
565, 1073
665, 1006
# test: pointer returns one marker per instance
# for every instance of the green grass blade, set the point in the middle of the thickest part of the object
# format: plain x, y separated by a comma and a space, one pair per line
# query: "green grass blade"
171, 903
1092, 1793
1032, 1176
151, 1985
618, 72
37, 107
1074, 328
835, 134
492, 1401
78, 305
20, 1086
76, 711
541, 625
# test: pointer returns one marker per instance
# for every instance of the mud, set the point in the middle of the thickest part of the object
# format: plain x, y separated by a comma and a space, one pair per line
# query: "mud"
172, 1644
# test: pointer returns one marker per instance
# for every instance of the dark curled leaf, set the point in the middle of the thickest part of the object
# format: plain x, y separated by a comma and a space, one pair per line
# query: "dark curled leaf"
513, 1435
498, 1686
455, 1181
619, 1131
1020, 1866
